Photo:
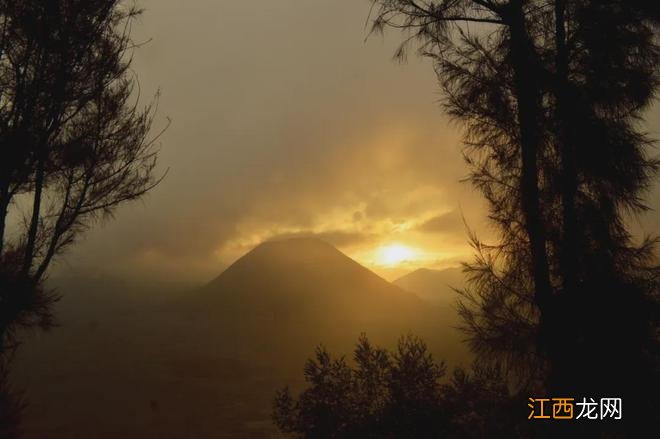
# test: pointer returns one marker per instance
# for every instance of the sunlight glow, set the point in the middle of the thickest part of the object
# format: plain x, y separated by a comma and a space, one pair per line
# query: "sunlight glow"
394, 254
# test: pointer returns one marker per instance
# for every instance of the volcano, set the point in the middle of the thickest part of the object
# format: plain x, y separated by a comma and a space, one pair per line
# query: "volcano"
302, 292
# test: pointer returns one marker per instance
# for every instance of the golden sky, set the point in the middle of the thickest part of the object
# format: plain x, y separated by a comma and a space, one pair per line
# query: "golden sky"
286, 122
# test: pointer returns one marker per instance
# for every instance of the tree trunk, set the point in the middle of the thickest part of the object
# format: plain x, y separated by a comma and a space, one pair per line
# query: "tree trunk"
569, 181
34, 222
528, 93
564, 350
4, 206
528, 90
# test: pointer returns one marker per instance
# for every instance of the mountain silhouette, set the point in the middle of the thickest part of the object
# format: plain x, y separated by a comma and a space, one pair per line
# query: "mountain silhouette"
305, 272
299, 292
436, 286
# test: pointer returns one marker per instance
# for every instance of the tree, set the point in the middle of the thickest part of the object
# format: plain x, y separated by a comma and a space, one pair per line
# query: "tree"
74, 140
468, 65
551, 93
399, 394
385, 394
604, 77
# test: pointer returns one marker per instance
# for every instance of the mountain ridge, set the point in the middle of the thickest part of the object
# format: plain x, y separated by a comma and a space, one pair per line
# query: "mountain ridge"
299, 292
436, 286
285, 264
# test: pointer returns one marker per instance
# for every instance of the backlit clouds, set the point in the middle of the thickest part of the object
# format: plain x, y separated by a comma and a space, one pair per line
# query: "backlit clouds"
287, 123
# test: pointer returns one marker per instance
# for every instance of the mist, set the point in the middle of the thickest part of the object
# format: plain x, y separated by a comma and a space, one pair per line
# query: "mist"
314, 190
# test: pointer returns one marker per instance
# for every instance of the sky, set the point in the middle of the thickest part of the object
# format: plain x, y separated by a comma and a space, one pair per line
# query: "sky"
286, 120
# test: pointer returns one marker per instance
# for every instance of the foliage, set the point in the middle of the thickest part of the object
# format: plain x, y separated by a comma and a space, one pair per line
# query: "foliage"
399, 394
551, 94
74, 140
384, 394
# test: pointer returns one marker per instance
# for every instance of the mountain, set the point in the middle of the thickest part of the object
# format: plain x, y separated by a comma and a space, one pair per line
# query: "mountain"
300, 292
435, 286
299, 273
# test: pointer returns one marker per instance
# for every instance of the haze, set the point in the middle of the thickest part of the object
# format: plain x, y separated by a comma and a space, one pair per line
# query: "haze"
286, 122
312, 194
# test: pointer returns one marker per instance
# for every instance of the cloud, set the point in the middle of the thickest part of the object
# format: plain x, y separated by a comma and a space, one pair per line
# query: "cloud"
339, 143
337, 238
447, 223
282, 125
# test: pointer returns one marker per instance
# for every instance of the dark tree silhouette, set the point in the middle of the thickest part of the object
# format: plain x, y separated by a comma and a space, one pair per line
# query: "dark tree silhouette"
384, 394
551, 93
74, 141
74, 144
599, 87
493, 82
399, 394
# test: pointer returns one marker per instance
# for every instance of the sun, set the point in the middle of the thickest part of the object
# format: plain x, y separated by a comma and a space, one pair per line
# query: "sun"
394, 254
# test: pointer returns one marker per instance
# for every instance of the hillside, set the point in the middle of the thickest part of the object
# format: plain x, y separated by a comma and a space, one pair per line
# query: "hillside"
284, 278
436, 286
297, 293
